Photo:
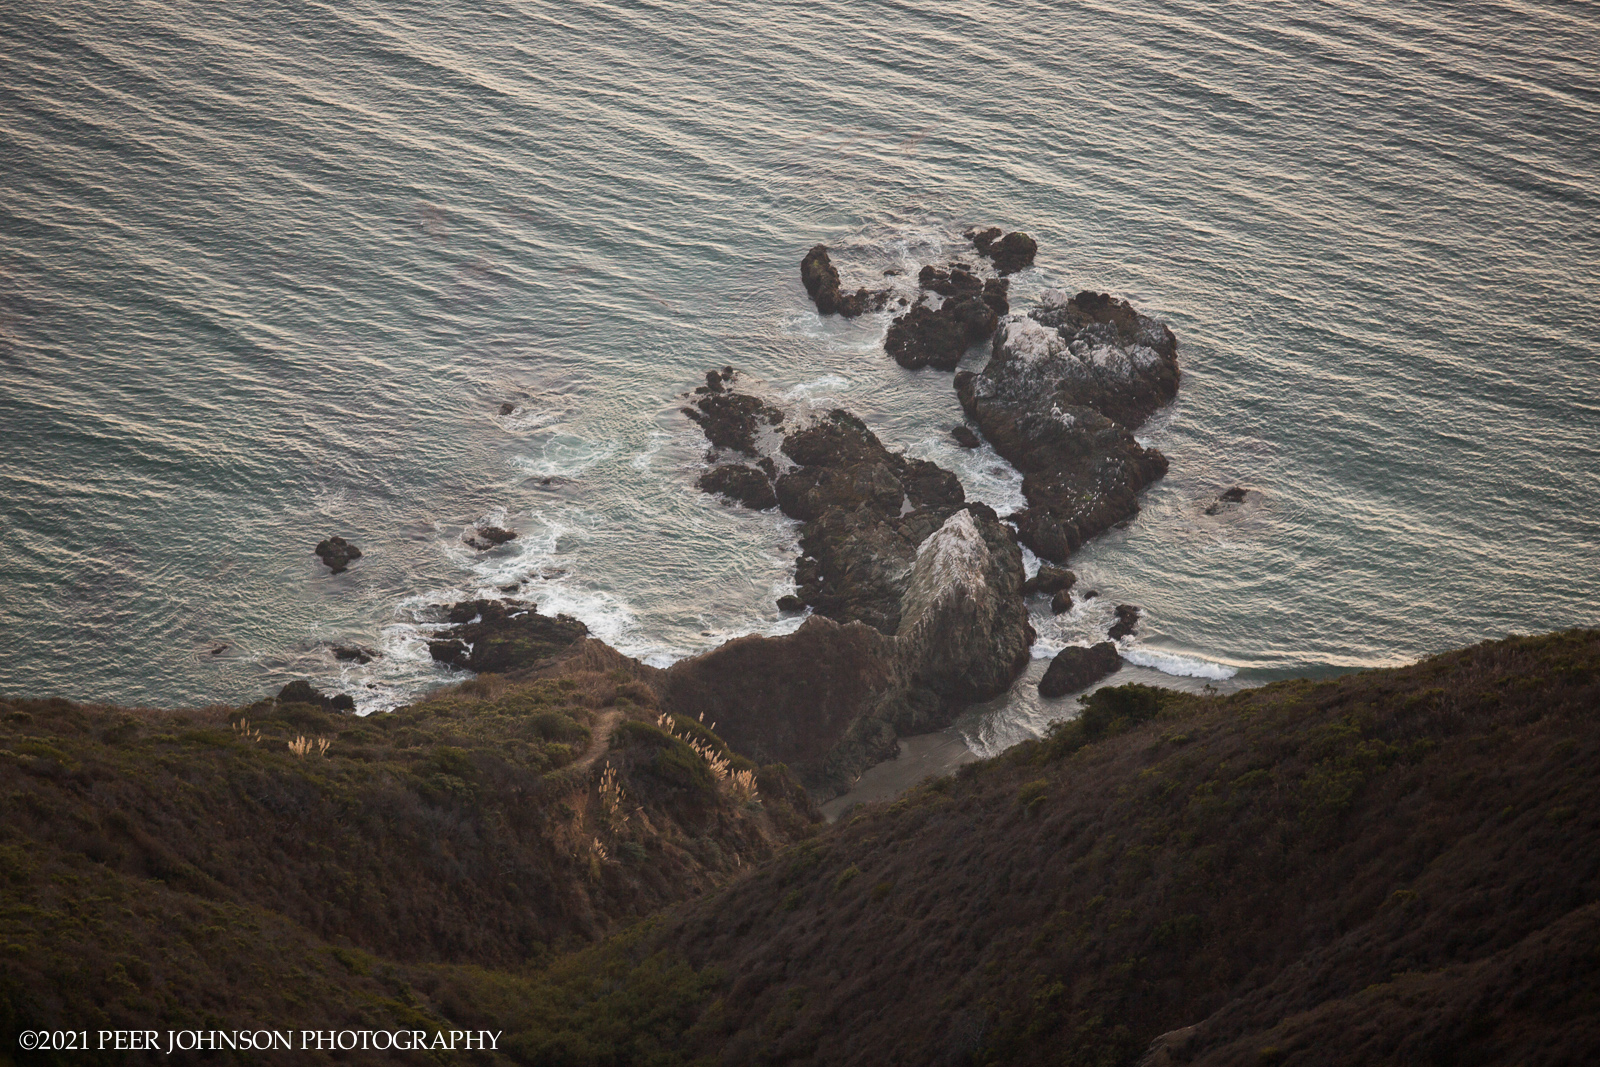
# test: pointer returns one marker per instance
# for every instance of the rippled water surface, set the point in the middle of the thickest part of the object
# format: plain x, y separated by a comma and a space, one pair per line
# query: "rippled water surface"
269, 272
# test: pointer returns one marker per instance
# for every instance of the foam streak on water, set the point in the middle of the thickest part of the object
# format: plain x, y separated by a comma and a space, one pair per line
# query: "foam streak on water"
269, 271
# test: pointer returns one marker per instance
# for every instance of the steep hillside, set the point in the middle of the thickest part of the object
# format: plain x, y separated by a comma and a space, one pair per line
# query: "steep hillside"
1399, 866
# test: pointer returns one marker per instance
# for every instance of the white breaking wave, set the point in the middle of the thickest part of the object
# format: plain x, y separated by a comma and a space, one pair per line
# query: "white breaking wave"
1177, 665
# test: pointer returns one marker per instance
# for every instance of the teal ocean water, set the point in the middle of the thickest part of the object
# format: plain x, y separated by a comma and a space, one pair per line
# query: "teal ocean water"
268, 272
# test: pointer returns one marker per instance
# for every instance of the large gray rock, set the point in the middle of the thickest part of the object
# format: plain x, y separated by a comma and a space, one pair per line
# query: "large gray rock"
1059, 398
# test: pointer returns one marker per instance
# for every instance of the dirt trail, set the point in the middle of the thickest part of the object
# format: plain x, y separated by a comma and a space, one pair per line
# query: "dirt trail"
600, 739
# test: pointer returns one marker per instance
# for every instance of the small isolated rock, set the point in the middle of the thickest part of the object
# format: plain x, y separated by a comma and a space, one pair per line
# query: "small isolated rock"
487, 537
1061, 602
1227, 496
790, 604
354, 654
1091, 594
302, 692
507, 408
1050, 580
741, 484
965, 437
337, 553
1078, 668
1127, 619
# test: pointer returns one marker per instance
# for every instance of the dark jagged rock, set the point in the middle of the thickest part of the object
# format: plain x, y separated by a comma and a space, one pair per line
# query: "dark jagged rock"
1061, 602
1127, 622
965, 436
1077, 668
337, 553
741, 484
1050, 580
821, 279
790, 604
354, 654
866, 510
923, 337
732, 420
1011, 253
498, 636
303, 692
1059, 399
1235, 495
507, 408
486, 537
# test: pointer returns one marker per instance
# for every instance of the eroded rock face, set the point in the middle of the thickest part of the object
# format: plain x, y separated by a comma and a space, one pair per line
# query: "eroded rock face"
502, 635
1058, 399
1077, 668
964, 633
938, 337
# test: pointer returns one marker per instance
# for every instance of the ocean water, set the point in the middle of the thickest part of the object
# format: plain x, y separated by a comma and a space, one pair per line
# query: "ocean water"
269, 271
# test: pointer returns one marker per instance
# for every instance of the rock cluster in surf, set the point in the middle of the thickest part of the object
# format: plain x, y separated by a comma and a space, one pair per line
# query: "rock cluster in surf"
917, 595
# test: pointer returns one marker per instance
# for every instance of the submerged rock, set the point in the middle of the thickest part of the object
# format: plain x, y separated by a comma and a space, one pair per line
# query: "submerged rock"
337, 553
741, 484
1059, 399
1077, 668
354, 654
1227, 497
498, 636
487, 537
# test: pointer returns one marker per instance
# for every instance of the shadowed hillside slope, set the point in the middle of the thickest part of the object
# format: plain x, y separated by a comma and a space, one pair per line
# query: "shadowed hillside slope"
1399, 866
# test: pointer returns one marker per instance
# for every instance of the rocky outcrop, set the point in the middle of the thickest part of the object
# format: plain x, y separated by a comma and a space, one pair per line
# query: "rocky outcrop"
1077, 668
1059, 398
740, 484
939, 337
830, 699
1011, 253
1049, 580
337, 553
1225, 500
816, 699
1127, 622
964, 633
865, 511
731, 420
501, 635
303, 692
965, 436
355, 654
821, 279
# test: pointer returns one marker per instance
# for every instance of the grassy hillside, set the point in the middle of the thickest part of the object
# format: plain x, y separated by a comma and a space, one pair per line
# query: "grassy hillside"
1398, 866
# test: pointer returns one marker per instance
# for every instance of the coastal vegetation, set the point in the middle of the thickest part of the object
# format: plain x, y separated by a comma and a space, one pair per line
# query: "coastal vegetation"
1393, 866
